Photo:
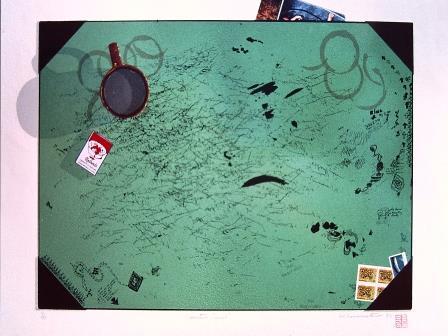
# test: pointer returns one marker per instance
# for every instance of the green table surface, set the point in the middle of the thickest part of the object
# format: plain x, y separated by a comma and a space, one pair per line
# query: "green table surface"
168, 202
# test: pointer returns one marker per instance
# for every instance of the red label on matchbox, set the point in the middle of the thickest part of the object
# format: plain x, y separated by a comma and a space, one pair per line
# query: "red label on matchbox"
94, 152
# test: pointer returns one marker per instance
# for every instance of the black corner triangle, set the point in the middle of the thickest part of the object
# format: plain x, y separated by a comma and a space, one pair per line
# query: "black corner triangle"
53, 36
51, 294
398, 294
399, 37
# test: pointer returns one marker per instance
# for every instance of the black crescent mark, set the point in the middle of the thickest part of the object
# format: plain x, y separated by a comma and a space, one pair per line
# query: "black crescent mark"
293, 92
263, 179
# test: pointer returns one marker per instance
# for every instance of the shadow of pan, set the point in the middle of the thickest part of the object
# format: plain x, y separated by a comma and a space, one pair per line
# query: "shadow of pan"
78, 90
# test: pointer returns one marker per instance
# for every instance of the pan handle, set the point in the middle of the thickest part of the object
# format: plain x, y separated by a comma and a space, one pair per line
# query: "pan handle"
115, 54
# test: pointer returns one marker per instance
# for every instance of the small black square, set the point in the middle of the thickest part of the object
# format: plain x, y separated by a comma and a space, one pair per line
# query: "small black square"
135, 281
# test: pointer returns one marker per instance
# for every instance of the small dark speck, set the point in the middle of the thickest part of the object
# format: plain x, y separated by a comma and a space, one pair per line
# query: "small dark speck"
330, 292
265, 105
354, 254
370, 232
294, 123
145, 152
48, 204
155, 271
275, 139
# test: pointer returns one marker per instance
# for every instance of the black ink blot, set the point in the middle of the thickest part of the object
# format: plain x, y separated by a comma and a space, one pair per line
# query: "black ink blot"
252, 40
379, 166
315, 228
269, 114
267, 88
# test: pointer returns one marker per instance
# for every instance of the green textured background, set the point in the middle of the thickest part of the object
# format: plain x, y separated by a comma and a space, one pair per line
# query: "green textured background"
167, 198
